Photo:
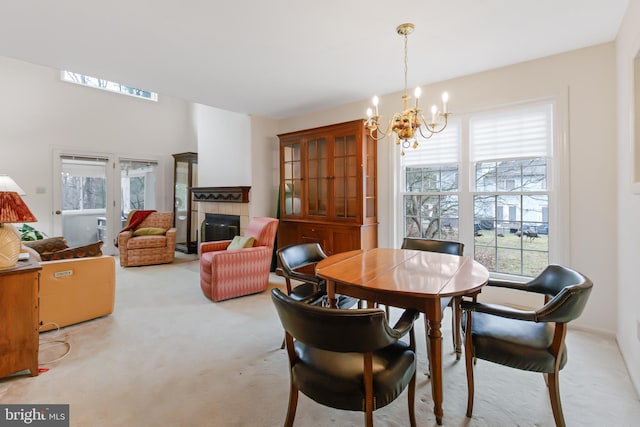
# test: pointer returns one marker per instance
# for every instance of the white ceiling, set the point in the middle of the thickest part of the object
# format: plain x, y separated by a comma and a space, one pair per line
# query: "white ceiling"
281, 58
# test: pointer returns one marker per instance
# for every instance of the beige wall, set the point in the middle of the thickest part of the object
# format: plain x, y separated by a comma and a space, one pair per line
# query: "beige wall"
628, 311
39, 112
265, 166
583, 84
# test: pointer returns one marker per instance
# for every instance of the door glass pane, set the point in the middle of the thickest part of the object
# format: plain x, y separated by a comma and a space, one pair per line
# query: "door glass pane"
84, 200
292, 183
181, 199
352, 207
137, 186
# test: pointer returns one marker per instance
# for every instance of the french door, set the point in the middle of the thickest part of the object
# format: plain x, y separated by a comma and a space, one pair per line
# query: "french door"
93, 194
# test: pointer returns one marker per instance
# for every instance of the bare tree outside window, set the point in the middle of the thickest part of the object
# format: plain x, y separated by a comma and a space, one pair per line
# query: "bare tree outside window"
431, 202
136, 192
83, 193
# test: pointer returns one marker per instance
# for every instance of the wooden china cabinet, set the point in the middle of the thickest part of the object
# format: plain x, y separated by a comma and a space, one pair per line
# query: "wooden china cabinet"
328, 188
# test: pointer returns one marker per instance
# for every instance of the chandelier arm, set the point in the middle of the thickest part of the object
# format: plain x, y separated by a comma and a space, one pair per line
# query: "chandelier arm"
423, 135
443, 126
377, 138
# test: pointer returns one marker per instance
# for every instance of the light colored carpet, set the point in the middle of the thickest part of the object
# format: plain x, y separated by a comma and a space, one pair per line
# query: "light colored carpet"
170, 357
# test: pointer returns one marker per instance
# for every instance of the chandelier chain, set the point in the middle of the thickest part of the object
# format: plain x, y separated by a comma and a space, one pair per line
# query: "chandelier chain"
406, 65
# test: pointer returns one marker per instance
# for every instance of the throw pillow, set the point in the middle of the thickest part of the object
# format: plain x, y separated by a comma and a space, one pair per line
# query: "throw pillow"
90, 250
240, 242
51, 244
149, 231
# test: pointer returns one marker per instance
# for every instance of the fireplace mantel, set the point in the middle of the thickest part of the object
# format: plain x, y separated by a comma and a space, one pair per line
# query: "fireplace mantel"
221, 194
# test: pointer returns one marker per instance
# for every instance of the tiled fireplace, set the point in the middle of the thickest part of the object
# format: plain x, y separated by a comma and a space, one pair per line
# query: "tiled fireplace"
223, 200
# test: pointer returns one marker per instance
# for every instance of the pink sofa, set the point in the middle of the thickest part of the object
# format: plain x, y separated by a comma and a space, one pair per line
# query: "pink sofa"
228, 274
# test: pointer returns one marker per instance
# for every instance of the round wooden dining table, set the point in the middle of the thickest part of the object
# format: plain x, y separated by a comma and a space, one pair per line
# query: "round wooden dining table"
407, 279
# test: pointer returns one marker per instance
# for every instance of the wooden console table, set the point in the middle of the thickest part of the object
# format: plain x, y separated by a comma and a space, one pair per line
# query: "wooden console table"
19, 338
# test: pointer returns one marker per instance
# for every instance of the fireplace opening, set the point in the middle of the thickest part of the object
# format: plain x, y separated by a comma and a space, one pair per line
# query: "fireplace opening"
219, 227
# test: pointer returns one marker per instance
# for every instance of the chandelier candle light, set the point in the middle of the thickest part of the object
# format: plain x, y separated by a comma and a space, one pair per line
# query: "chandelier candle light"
410, 120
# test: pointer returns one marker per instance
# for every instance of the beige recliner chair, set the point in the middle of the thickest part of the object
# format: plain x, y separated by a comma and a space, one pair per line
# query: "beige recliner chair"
76, 284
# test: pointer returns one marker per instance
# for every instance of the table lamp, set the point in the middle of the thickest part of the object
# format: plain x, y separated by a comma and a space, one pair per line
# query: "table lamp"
12, 210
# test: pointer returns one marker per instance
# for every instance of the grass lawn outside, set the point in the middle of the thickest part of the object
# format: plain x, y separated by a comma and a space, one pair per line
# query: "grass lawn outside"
505, 252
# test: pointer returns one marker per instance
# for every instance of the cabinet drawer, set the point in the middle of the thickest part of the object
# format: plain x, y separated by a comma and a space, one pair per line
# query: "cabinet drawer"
312, 233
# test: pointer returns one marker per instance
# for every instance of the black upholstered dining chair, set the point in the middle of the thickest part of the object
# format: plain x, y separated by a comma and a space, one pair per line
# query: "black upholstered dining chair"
347, 359
293, 258
443, 247
528, 340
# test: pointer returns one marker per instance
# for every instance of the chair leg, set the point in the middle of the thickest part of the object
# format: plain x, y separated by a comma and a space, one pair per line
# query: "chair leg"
428, 372
554, 395
456, 324
293, 405
368, 389
412, 399
469, 362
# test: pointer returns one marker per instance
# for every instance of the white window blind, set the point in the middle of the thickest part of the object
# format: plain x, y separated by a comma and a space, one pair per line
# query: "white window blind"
511, 134
441, 148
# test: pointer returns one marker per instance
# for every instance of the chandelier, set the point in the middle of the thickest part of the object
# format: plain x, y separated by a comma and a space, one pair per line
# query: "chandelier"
411, 120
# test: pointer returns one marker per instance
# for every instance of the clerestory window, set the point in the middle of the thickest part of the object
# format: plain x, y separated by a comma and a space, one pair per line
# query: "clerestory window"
94, 82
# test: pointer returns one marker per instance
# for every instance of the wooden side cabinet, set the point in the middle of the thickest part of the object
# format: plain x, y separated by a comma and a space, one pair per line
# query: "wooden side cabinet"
19, 338
328, 188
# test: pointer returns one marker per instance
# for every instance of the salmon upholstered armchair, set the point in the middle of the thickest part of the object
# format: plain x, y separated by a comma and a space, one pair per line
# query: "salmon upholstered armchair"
152, 241
228, 273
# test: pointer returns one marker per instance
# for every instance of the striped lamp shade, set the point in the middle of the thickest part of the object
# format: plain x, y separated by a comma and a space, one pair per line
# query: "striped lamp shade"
13, 209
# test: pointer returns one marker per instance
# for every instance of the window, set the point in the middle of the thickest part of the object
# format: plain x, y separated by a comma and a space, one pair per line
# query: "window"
431, 185
81, 79
509, 151
84, 184
502, 210
138, 184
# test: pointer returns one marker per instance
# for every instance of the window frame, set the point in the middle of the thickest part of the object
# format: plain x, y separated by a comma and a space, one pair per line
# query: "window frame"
108, 83
558, 184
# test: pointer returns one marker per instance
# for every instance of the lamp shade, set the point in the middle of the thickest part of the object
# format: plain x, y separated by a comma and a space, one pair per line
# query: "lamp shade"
13, 209
8, 184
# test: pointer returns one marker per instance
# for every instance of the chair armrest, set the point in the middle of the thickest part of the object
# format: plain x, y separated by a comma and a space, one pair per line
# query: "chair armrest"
305, 277
507, 284
405, 323
218, 245
123, 238
171, 237
314, 299
499, 310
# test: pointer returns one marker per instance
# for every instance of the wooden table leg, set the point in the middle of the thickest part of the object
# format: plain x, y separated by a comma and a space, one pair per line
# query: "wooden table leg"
432, 323
331, 294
